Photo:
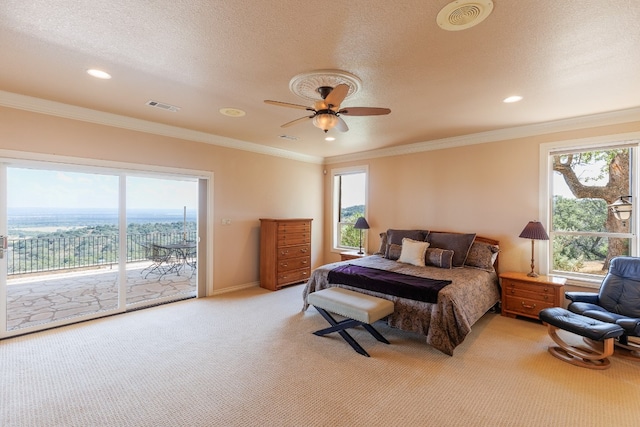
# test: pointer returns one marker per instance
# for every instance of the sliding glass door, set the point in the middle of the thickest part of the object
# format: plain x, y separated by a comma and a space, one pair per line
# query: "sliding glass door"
61, 256
162, 239
85, 242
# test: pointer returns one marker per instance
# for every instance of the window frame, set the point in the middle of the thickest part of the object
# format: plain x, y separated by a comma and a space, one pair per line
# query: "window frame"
335, 205
547, 150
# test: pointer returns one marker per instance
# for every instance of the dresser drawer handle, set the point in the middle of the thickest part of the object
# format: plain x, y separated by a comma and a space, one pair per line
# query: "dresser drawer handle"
284, 264
284, 252
513, 291
304, 250
530, 307
305, 262
546, 297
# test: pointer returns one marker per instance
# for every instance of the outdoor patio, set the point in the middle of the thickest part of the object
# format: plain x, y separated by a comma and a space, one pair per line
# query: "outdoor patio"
40, 299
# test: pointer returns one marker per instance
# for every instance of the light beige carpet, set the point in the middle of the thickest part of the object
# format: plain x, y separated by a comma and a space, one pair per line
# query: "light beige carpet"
249, 359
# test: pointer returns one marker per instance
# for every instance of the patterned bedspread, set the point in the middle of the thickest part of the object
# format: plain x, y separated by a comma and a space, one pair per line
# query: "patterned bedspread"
445, 323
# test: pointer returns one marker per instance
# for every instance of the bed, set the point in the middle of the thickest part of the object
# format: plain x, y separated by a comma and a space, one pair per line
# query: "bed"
472, 271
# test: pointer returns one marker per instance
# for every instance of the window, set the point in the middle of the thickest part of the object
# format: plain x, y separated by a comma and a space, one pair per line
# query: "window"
584, 232
349, 203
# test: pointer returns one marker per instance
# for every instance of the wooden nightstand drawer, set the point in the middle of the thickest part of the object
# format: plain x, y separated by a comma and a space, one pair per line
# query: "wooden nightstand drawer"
525, 290
345, 256
526, 296
525, 306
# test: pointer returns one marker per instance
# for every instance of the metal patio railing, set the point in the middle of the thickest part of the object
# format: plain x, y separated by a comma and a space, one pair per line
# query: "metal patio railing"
36, 255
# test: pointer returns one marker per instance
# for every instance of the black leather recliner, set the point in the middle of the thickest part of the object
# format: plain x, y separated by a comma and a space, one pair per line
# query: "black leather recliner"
618, 301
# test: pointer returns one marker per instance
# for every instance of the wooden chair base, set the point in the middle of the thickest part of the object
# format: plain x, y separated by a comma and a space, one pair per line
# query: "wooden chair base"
593, 357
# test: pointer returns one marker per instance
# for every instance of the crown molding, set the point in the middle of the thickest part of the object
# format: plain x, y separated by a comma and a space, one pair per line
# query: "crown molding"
38, 105
52, 108
575, 123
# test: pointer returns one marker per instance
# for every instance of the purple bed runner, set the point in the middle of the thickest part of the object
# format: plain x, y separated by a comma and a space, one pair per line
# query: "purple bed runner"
388, 282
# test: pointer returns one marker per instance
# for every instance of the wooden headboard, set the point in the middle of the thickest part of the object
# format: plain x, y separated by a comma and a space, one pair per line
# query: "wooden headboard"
478, 239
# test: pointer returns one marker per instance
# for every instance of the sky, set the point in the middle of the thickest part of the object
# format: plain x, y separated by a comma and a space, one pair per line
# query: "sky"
35, 188
353, 189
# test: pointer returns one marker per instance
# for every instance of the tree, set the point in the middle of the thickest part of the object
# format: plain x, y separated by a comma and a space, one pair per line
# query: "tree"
615, 165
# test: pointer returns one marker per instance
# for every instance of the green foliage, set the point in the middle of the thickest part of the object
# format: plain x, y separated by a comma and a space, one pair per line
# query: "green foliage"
578, 215
564, 263
89, 246
349, 236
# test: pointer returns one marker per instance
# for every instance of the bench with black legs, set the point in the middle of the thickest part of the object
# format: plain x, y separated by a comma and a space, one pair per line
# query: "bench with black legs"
358, 309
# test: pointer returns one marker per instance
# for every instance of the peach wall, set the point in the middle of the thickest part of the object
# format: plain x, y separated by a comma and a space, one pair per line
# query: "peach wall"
490, 189
247, 186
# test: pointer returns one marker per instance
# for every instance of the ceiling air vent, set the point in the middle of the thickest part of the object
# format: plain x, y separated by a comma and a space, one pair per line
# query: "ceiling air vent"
163, 106
463, 14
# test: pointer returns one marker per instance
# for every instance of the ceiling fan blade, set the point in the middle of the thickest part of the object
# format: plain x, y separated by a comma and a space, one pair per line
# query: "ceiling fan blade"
337, 95
341, 125
364, 111
296, 121
286, 104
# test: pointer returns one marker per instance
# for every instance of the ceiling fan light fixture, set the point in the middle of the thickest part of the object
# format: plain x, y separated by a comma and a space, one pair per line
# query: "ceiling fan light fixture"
325, 121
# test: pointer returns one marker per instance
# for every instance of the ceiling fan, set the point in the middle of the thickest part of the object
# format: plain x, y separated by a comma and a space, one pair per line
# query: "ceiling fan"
327, 111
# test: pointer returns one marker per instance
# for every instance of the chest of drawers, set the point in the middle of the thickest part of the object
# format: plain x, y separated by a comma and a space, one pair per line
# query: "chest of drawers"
526, 296
285, 252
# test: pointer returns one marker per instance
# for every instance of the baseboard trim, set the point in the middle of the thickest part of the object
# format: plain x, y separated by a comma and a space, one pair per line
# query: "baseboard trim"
234, 288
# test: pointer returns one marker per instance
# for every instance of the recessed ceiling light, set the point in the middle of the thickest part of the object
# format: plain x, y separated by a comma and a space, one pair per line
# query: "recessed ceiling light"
232, 112
99, 74
330, 138
514, 98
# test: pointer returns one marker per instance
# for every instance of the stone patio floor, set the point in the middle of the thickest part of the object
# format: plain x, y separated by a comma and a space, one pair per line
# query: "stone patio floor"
40, 299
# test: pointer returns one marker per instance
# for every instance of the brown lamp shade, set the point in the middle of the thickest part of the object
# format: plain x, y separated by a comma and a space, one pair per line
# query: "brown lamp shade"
534, 230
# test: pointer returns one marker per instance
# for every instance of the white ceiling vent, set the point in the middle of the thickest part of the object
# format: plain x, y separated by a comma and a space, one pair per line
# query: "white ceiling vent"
163, 106
463, 14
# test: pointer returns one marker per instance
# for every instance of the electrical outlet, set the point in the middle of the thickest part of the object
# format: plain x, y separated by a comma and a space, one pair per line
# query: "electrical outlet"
226, 221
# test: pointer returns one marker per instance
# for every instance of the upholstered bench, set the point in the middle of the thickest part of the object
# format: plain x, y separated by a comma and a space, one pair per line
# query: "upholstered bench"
359, 309
598, 336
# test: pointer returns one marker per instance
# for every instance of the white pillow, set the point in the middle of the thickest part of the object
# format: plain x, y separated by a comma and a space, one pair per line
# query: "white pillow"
413, 252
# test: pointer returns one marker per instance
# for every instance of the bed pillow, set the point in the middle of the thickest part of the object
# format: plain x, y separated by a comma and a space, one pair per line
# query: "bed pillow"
482, 255
459, 243
440, 258
413, 252
393, 252
394, 237
383, 244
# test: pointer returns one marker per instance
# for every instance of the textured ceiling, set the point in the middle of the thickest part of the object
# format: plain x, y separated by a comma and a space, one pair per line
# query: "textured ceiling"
566, 58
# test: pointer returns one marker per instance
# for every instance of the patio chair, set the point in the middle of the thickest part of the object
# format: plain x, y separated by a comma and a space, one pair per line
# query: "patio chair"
160, 260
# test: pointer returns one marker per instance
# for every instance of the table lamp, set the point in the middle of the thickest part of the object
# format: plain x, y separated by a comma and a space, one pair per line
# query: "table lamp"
361, 224
534, 231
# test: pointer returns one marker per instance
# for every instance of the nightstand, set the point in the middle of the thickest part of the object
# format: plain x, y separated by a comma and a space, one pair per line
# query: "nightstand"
345, 256
526, 296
